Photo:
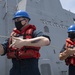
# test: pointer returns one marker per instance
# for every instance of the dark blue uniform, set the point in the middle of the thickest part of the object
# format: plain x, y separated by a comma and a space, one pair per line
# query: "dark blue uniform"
25, 66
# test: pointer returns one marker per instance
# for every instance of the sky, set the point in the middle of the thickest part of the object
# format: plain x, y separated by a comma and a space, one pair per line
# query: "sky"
68, 5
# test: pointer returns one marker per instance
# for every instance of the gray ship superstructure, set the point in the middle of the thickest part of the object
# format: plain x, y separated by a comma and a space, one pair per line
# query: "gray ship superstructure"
50, 18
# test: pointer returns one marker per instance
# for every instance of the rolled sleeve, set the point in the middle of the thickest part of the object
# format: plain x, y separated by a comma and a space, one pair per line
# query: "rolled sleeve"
63, 48
5, 46
39, 33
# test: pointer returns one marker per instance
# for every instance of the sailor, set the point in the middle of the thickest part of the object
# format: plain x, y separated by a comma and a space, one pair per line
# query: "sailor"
68, 51
23, 45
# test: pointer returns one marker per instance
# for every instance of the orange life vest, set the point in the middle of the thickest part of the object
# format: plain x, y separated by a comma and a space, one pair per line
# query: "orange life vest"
26, 51
70, 59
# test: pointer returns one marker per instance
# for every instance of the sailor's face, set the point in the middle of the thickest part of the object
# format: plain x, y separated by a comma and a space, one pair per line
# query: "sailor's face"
23, 20
71, 35
20, 22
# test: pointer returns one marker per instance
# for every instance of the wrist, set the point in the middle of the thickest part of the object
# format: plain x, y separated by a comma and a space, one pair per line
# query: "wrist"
25, 42
66, 53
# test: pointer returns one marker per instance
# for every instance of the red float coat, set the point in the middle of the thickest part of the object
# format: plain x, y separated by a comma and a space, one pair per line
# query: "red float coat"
25, 51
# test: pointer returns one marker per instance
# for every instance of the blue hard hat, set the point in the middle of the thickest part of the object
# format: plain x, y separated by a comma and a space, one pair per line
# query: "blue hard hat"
21, 13
71, 28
